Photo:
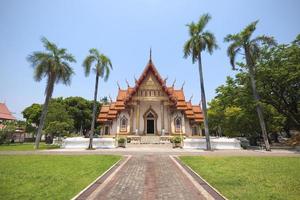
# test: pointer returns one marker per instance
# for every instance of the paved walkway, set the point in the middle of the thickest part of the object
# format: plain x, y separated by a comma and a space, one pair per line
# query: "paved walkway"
148, 177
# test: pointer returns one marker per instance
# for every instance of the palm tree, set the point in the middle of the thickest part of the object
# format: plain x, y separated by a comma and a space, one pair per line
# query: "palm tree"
199, 41
102, 69
54, 63
242, 44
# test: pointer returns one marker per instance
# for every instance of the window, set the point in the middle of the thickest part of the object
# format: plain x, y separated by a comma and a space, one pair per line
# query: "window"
123, 124
178, 124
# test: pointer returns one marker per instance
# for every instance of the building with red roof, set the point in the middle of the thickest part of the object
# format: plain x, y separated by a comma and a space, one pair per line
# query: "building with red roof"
151, 108
5, 114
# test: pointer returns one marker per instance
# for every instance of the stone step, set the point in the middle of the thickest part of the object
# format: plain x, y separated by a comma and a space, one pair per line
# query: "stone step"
150, 139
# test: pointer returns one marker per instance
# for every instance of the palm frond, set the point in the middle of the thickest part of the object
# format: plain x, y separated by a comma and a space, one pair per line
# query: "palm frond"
41, 70
232, 51
248, 31
65, 73
210, 41
232, 38
95, 52
187, 48
87, 64
106, 66
49, 45
192, 28
68, 57
204, 19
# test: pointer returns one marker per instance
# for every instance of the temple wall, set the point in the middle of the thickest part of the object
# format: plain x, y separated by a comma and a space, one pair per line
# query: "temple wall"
188, 128
113, 129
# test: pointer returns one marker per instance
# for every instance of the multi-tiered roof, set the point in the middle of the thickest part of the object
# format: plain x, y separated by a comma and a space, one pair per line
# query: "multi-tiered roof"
110, 112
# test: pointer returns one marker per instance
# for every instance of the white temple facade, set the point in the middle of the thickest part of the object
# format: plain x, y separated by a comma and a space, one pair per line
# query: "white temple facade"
150, 108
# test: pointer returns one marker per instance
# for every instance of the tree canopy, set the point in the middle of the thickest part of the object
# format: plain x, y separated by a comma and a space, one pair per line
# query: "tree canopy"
277, 73
72, 114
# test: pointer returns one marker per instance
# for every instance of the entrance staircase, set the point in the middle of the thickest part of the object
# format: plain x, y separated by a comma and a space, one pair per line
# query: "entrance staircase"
150, 139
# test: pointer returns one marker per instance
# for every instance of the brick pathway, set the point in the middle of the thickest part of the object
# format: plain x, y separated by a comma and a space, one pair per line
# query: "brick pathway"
149, 177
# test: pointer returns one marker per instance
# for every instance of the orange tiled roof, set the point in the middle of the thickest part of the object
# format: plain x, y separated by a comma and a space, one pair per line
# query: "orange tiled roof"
5, 114
109, 112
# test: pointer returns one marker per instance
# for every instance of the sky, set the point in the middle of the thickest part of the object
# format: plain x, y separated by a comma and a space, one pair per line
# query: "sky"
124, 30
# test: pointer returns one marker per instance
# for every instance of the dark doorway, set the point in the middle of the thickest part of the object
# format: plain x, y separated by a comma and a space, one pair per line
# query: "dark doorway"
150, 126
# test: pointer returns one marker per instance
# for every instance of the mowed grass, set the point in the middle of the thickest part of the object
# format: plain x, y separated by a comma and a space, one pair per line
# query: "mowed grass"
250, 177
49, 176
25, 147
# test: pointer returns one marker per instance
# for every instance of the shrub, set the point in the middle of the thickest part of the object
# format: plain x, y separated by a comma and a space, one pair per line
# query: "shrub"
121, 140
176, 140
7, 132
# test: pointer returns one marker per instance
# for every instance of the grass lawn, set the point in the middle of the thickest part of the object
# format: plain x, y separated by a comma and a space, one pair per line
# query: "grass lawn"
250, 177
49, 176
25, 147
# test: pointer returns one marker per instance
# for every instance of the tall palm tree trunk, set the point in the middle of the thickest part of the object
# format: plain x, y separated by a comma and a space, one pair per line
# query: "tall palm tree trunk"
259, 109
49, 91
94, 113
203, 101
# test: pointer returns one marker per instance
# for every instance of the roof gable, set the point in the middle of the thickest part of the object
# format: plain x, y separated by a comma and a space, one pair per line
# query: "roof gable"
150, 75
5, 113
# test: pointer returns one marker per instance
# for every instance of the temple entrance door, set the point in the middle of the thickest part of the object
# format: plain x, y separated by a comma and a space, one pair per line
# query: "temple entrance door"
150, 126
150, 119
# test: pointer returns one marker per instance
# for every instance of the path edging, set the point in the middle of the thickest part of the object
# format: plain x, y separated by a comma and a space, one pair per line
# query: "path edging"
196, 174
98, 178
199, 187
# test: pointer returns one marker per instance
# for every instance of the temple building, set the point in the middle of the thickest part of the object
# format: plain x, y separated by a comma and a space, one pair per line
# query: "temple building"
150, 108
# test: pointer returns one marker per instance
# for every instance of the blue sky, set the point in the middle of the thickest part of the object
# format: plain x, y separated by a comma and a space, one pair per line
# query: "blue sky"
124, 31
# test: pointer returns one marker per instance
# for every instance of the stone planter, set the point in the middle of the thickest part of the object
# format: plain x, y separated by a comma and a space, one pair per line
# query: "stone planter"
123, 144
176, 145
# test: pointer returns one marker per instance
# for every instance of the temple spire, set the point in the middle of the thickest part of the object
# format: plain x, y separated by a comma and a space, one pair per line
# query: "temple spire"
150, 58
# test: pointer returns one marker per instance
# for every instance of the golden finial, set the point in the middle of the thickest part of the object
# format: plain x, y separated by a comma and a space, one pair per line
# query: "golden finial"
127, 83
183, 85
174, 82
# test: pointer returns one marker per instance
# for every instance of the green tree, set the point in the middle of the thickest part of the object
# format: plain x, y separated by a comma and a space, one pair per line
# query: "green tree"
58, 128
57, 115
102, 69
200, 40
278, 81
32, 113
54, 64
250, 48
231, 111
80, 111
